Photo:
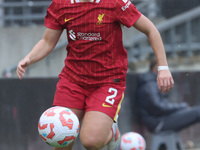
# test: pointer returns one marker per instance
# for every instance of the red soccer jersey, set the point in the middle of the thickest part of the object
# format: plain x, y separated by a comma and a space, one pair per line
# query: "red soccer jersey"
95, 52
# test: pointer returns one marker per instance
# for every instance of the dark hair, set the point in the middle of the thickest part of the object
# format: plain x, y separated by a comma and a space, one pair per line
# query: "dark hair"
152, 64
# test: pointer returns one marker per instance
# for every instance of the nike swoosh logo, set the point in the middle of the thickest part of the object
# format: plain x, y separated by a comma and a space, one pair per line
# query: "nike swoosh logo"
68, 19
104, 105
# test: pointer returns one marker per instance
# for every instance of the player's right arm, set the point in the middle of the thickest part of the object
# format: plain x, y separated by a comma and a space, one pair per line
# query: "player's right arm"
39, 51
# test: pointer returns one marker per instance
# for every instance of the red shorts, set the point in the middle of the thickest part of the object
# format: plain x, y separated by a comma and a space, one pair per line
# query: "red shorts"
106, 98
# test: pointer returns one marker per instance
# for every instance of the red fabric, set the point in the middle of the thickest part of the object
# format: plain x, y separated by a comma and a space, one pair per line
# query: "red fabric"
95, 52
106, 99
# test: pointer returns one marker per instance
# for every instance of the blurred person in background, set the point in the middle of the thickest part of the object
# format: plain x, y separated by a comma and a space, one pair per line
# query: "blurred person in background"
156, 112
93, 80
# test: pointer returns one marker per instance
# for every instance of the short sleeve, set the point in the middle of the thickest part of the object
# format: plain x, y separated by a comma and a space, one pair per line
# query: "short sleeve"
126, 13
51, 19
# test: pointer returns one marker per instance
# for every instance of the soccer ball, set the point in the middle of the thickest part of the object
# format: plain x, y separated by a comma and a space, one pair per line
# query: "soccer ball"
132, 141
58, 126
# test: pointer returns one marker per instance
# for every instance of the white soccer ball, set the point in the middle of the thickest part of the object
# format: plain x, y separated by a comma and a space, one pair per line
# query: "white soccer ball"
58, 126
132, 141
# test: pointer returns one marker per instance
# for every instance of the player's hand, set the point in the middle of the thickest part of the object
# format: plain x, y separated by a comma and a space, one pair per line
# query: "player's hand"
165, 81
22, 67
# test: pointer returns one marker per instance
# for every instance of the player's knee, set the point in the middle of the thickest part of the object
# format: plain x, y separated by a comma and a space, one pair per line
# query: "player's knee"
91, 142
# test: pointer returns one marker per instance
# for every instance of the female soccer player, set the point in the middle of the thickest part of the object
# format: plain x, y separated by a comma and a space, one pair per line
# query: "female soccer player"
92, 82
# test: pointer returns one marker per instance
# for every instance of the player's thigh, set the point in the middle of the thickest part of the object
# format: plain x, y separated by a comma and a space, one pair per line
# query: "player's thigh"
79, 113
96, 128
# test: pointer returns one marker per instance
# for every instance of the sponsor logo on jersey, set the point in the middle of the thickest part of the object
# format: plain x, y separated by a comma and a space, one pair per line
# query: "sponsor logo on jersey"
84, 36
72, 35
126, 6
100, 19
68, 19
105, 105
89, 36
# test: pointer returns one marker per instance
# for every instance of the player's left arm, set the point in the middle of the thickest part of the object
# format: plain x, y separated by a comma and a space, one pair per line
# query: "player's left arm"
164, 79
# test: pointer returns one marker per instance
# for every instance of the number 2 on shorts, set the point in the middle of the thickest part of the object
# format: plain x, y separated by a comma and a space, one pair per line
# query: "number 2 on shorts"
110, 99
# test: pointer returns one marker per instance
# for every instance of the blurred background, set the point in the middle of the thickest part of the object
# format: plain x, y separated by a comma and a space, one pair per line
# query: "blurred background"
22, 102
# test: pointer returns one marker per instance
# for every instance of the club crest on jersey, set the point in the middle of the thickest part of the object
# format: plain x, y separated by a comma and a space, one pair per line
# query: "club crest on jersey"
100, 19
